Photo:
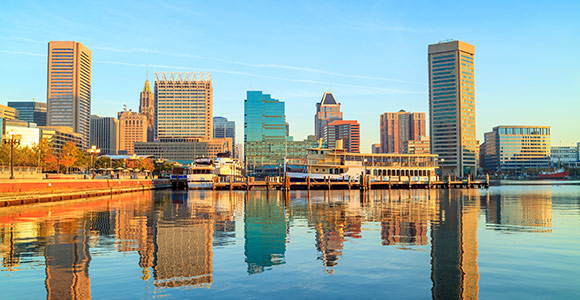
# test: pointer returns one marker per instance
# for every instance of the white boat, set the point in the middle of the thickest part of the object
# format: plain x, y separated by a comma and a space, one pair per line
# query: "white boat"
227, 167
339, 165
198, 175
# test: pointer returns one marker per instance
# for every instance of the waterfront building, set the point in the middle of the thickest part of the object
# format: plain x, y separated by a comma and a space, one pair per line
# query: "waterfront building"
346, 130
8, 113
419, 146
147, 108
30, 111
264, 118
30, 134
183, 105
57, 136
517, 148
69, 87
222, 128
105, 134
239, 152
184, 150
564, 156
399, 127
266, 139
132, 129
376, 148
272, 154
452, 106
327, 111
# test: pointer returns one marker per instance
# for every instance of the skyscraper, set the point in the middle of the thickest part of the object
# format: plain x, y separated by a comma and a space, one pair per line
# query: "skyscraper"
105, 134
183, 105
452, 106
132, 129
222, 128
30, 111
399, 127
346, 130
327, 110
265, 118
69, 87
147, 108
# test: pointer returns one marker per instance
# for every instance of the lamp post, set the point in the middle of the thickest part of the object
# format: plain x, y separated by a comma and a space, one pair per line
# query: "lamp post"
93, 151
12, 139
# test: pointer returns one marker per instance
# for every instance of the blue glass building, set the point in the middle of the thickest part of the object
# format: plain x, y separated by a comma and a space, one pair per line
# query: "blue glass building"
264, 118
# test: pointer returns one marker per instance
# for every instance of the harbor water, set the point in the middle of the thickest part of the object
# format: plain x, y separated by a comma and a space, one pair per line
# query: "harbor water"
499, 243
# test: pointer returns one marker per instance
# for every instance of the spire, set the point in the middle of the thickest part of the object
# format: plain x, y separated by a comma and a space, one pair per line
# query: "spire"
147, 87
327, 99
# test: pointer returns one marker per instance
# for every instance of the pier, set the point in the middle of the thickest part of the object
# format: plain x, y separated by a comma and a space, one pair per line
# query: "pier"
366, 183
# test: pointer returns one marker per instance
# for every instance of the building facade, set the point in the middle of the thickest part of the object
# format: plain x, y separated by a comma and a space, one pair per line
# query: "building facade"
452, 106
105, 134
30, 111
264, 118
564, 156
184, 150
346, 130
147, 108
376, 148
30, 134
422, 145
69, 87
399, 127
327, 111
183, 105
57, 136
222, 128
132, 129
8, 113
260, 154
517, 148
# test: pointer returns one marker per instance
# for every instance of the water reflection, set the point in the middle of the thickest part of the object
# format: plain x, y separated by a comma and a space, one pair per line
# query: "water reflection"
175, 234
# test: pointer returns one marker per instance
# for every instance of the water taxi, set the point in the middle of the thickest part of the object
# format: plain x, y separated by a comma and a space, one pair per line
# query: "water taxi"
340, 165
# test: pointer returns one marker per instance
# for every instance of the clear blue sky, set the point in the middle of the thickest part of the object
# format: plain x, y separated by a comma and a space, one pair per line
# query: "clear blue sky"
371, 54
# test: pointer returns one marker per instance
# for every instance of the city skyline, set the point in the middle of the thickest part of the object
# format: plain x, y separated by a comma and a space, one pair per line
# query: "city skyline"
378, 57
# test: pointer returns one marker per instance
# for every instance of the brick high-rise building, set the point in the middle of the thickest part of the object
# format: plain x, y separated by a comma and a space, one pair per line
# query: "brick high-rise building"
147, 108
327, 110
183, 105
399, 127
132, 128
346, 130
69, 87
452, 107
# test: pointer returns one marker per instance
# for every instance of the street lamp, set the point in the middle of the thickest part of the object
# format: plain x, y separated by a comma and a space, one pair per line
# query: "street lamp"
12, 139
93, 151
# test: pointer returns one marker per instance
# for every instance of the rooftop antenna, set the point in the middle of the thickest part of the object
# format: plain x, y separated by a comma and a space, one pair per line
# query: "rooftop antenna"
147, 76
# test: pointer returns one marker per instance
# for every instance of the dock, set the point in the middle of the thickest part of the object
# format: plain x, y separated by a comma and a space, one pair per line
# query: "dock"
366, 183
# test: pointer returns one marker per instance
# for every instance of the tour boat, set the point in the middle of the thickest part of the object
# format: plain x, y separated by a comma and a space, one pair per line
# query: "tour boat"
198, 175
340, 165
227, 167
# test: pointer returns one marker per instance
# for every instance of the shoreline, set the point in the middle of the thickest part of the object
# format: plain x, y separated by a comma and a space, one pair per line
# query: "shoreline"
21, 192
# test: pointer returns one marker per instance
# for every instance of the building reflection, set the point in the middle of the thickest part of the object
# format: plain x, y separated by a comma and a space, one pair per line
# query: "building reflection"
404, 216
67, 260
454, 269
521, 212
265, 231
335, 219
183, 242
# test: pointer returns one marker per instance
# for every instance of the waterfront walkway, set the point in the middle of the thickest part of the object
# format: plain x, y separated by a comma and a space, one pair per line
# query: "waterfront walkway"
25, 191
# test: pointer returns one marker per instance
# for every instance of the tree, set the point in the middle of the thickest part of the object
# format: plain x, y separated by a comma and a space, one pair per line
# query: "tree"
103, 162
68, 156
43, 151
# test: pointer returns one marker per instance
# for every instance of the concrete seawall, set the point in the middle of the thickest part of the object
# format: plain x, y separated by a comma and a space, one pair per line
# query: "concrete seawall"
19, 192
